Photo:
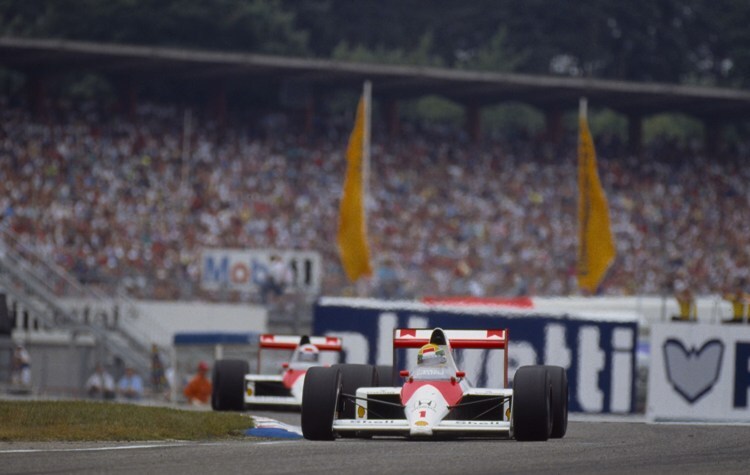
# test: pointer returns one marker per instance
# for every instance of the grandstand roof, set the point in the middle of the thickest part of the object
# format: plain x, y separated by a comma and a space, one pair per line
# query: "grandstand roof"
395, 81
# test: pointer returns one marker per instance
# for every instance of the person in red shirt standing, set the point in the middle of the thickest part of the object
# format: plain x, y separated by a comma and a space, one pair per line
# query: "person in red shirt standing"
198, 390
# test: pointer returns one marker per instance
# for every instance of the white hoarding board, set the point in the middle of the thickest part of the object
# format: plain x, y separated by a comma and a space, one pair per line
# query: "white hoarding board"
246, 270
699, 372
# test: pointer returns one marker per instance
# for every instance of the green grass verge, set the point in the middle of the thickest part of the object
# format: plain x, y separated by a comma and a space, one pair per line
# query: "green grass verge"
105, 421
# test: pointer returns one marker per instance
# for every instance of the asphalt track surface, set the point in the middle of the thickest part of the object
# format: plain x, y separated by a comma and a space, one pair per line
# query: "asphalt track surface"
589, 447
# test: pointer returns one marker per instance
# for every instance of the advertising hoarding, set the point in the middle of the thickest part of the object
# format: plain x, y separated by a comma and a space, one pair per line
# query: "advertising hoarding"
699, 372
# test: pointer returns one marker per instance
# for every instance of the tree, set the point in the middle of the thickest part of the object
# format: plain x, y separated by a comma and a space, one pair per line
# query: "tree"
678, 41
251, 25
719, 47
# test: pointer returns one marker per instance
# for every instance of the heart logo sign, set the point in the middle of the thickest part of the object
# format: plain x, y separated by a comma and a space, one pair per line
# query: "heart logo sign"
693, 372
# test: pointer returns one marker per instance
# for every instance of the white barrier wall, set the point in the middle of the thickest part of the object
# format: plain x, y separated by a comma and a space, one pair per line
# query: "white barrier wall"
177, 317
699, 372
160, 320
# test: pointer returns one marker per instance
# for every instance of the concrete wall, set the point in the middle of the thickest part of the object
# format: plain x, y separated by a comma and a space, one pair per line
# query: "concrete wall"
181, 317
158, 321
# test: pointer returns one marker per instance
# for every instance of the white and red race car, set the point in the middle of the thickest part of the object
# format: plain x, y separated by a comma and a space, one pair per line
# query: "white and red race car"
233, 388
436, 398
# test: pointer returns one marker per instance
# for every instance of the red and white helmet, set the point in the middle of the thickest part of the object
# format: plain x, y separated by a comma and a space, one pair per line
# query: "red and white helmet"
308, 353
431, 354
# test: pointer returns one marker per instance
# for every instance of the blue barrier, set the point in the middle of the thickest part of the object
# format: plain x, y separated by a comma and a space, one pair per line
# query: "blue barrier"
599, 355
215, 338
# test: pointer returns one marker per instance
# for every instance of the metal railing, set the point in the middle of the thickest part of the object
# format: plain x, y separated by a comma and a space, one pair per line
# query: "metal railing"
41, 287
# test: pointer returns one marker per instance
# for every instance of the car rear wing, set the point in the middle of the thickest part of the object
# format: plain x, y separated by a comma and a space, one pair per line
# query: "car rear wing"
270, 341
495, 339
291, 342
484, 339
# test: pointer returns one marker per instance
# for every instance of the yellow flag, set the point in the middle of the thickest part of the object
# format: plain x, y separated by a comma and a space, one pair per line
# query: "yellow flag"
596, 247
352, 232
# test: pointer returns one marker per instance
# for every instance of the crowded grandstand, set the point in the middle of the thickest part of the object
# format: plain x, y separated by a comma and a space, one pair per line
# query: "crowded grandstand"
118, 201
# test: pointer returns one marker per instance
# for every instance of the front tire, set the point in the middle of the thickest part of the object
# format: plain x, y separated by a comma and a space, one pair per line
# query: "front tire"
353, 377
320, 396
532, 414
385, 376
558, 379
228, 385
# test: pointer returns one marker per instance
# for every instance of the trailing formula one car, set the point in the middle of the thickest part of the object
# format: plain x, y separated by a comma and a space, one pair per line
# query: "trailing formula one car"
234, 388
436, 398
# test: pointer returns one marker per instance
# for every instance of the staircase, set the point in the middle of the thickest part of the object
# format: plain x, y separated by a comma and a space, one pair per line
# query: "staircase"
38, 288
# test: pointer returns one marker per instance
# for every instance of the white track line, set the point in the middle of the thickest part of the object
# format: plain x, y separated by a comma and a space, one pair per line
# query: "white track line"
277, 442
91, 449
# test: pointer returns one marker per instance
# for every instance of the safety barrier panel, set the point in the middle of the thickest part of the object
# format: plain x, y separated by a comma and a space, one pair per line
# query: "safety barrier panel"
699, 372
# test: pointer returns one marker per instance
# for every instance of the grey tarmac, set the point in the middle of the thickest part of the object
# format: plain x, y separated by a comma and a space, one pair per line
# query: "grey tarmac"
618, 446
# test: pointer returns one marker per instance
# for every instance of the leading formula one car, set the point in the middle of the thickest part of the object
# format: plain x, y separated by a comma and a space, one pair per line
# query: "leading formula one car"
436, 398
233, 388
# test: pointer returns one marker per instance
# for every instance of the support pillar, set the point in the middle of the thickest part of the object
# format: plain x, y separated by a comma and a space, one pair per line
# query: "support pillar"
218, 104
712, 142
474, 122
635, 134
553, 132
392, 118
37, 95
309, 124
127, 98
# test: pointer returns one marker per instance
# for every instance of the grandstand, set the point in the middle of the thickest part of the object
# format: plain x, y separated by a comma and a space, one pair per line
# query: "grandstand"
126, 202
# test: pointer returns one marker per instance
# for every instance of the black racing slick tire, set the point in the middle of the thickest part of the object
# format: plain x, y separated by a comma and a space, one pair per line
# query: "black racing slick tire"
228, 385
532, 411
320, 396
353, 377
558, 379
385, 376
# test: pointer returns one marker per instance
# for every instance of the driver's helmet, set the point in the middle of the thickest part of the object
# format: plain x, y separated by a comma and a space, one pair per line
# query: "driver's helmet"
431, 354
308, 353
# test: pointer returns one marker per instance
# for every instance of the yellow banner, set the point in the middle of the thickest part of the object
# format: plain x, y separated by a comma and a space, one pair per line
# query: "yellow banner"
596, 247
352, 232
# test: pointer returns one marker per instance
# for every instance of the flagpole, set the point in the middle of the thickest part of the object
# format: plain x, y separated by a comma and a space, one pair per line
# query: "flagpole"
367, 96
583, 213
187, 126
583, 105
362, 285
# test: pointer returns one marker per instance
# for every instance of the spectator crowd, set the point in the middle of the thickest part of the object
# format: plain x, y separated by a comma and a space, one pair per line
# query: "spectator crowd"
122, 205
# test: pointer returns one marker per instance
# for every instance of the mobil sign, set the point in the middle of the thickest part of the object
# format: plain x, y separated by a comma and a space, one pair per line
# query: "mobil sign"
699, 372
246, 270
598, 354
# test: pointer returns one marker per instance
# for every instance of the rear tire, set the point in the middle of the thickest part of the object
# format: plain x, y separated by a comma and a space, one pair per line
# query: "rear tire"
532, 412
558, 379
320, 396
228, 385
